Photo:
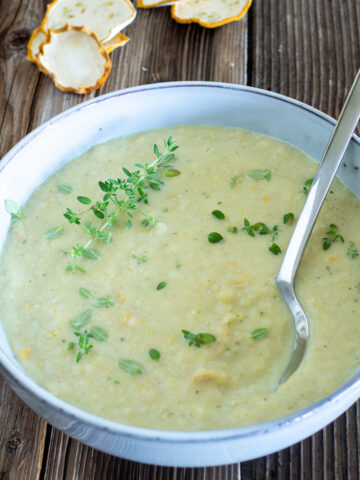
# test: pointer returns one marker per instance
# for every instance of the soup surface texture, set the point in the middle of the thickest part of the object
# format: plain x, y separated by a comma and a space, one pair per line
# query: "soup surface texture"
159, 278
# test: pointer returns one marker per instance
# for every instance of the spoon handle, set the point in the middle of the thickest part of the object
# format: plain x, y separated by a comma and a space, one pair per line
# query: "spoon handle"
324, 176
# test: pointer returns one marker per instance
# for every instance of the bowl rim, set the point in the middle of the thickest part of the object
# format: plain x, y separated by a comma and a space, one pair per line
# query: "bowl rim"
19, 378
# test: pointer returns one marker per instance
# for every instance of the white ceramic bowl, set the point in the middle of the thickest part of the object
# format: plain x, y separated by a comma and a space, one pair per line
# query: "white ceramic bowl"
55, 143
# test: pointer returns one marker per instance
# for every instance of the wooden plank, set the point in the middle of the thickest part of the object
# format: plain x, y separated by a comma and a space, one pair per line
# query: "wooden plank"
22, 438
309, 51
22, 433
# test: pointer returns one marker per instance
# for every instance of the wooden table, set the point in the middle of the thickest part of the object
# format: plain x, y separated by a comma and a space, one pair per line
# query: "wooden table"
306, 49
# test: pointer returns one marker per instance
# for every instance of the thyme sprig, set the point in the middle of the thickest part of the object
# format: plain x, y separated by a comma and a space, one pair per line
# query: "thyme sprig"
15, 211
331, 236
198, 339
352, 251
83, 345
121, 196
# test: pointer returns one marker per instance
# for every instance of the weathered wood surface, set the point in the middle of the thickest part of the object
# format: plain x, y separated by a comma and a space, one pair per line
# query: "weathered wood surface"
309, 50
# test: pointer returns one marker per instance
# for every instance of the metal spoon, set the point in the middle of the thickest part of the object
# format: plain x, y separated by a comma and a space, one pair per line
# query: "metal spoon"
324, 176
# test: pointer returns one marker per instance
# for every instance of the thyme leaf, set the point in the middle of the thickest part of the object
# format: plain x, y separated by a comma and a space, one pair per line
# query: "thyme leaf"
259, 333
198, 339
15, 211
72, 267
84, 292
352, 252
233, 181
65, 189
259, 174
154, 354
215, 237
288, 218
54, 233
103, 302
332, 236
307, 185
275, 249
81, 320
218, 214
98, 334
130, 366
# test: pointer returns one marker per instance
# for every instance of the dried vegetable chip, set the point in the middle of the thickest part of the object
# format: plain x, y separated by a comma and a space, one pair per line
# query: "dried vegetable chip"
209, 13
118, 41
36, 39
104, 18
75, 59
154, 3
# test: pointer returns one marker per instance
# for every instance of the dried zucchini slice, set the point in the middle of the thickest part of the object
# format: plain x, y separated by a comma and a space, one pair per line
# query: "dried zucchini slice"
36, 39
104, 18
118, 41
209, 13
75, 59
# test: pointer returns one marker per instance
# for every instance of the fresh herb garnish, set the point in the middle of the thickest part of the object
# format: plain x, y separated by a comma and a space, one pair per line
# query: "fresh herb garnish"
83, 344
66, 189
161, 285
132, 190
84, 200
289, 218
130, 366
248, 228
154, 354
79, 251
232, 229
149, 221
214, 237
171, 172
259, 333
72, 216
103, 302
98, 334
140, 260
218, 214
307, 185
332, 236
275, 249
15, 211
54, 233
352, 252
84, 292
258, 227
274, 232
233, 181
81, 320
199, 339
72, 267
259, 174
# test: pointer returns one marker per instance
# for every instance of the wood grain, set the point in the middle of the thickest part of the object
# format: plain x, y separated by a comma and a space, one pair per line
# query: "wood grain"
304, 49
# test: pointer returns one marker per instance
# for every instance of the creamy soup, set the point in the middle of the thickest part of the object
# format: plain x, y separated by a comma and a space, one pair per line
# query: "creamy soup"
187, 326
